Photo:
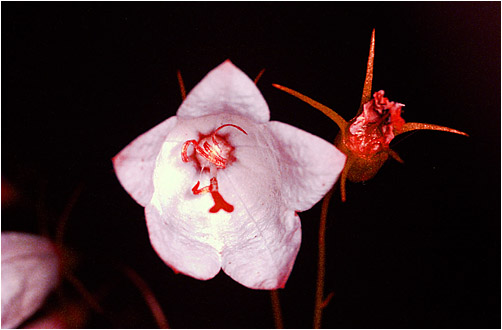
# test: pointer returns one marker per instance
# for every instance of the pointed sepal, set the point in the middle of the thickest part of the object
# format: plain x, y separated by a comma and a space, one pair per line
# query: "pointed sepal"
342, 123
407, 127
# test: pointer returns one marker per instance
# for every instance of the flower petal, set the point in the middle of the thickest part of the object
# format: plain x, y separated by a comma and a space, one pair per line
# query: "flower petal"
134, 165
225, 89
263, 236
261, 247
309, 165
30, 270
182, 230
175, 240
191, 239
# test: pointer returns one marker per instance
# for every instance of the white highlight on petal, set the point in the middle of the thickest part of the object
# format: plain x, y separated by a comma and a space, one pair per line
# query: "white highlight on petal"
134, 165
179, 241
30, 270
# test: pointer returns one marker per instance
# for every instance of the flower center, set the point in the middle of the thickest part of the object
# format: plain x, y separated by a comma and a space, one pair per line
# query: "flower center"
212, 152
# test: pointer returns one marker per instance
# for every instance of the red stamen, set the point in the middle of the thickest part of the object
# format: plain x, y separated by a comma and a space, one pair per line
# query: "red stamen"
212, 155
184, 150
216, 155
207, 152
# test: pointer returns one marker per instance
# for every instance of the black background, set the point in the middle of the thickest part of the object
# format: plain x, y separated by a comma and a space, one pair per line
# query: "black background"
417, 246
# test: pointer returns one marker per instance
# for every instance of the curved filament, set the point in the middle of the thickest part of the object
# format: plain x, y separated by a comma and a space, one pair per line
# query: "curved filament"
184, 150
213, 137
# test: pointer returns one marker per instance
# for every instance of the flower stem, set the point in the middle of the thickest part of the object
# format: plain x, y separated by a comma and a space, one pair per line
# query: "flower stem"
276, 308
63, 219
148, 295
320, 302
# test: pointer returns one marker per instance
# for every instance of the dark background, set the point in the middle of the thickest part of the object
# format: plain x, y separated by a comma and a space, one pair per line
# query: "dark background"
417, 246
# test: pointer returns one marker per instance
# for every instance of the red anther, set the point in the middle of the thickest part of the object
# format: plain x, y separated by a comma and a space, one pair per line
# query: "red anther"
207, 152
184, 150
212, 153
213, 156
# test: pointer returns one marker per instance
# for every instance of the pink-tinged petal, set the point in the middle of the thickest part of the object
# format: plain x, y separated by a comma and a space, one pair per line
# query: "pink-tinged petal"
309, 165
191, 239
225, 89
30, 270
261, 239
226, 184
134, 165
179, 241
261, 244
182, 230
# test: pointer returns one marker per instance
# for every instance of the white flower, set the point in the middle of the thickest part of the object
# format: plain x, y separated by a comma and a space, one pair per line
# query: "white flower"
30, 270
222, 184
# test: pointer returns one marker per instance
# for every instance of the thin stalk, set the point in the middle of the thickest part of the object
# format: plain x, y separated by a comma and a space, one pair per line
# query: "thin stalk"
82, 290
276, 308
320, 302
148, 295
63, 219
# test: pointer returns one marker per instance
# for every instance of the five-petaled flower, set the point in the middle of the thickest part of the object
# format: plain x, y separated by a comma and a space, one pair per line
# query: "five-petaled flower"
222, 185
